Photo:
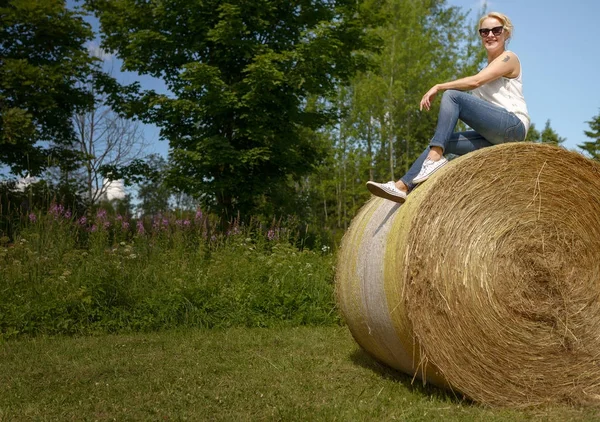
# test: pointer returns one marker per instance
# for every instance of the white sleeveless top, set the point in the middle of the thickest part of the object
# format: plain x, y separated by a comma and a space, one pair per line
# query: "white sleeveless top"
508, 94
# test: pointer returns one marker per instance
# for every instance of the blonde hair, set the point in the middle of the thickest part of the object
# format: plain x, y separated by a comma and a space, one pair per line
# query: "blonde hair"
506, 23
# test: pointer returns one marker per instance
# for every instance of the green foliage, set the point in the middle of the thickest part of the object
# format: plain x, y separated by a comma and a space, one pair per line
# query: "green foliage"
381, 131
16, 205
43, 61
240, 74
549, 136
533, 135
66, 276
592, 148
425, 42
546, 136
153, 192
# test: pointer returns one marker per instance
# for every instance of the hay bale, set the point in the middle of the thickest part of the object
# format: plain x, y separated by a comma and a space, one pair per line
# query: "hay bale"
487, 280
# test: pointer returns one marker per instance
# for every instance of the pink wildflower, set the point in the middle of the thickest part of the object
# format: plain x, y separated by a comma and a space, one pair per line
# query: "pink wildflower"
56, 210
140, 227
101, 214
272, 235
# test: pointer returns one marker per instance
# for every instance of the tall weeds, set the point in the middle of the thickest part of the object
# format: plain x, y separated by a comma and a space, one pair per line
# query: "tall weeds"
61, 275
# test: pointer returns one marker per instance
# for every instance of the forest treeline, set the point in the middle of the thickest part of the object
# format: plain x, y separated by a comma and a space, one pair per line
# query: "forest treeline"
272, 108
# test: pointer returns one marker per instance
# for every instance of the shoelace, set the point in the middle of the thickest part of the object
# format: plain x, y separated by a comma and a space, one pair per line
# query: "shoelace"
429, 163
425, 168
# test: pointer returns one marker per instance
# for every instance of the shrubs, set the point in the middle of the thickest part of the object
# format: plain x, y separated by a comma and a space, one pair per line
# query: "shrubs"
66, 276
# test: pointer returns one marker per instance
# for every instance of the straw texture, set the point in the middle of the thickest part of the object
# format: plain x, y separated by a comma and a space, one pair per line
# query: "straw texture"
487, 279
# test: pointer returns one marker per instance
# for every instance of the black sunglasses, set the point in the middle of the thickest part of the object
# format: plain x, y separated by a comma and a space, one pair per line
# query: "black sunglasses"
497, 30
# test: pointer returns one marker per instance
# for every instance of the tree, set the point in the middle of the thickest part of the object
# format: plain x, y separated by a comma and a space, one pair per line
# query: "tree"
104, 138
592, 147
153, 192
546, 136
549, 135
381, 132
425, 42
533, 135
43, 64
240, 74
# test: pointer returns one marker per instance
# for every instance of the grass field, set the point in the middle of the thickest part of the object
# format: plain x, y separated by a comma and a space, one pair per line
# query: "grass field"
309, 373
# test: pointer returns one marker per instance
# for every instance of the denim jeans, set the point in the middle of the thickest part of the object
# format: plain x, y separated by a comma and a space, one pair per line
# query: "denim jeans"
491, 125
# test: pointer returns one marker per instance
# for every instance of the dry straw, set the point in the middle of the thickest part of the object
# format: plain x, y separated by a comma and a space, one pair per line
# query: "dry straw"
487, 280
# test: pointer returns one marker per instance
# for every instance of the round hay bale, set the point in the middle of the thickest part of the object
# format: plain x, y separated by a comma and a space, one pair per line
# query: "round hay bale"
487, 279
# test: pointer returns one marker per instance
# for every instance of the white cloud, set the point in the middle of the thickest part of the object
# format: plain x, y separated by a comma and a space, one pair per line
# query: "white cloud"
96, 51
115, 189
23, 182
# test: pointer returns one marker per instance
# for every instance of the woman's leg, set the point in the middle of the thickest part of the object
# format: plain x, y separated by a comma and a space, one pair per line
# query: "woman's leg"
460, 143
492, 122
495, 124
492, 125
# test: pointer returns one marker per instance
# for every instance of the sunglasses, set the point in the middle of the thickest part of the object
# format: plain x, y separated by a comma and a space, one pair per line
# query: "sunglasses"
497, 30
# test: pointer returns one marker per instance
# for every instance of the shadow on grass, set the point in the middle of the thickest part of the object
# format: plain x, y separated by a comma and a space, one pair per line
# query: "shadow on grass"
414, 385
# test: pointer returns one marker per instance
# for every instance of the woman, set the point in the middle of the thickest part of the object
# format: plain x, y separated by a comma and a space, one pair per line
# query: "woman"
496, 110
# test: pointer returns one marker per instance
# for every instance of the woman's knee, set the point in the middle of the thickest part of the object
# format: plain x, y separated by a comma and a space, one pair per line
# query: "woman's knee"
451, 95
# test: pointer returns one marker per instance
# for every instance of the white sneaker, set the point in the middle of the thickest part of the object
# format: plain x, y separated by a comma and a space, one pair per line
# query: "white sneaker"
429, 167
387, 190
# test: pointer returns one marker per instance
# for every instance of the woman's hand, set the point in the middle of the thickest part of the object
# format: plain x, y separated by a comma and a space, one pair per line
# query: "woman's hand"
428, 98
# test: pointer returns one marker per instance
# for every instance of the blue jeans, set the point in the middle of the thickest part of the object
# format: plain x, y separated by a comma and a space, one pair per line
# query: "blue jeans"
491, 125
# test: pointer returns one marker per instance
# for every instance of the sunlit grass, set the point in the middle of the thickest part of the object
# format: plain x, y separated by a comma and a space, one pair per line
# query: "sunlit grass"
304, 373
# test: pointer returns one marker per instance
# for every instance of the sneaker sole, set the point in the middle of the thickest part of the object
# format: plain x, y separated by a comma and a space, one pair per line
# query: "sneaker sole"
422, 179
381, 193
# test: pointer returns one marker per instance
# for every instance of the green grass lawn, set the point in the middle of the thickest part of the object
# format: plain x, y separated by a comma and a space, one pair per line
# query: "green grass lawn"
229, 375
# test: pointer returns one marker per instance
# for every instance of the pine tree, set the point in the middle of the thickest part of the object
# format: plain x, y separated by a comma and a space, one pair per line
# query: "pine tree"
533, 135
592, 148
549, 135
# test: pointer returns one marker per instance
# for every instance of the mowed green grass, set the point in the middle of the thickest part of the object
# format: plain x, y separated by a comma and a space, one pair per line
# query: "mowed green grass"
241, 374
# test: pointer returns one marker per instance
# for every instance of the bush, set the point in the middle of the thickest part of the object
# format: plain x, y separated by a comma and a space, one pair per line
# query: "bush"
66, 276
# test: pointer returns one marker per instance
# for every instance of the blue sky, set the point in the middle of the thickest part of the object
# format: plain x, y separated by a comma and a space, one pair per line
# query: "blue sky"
558, 43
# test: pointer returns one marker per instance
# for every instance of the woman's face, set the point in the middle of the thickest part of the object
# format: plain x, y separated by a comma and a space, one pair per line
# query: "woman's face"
492, 34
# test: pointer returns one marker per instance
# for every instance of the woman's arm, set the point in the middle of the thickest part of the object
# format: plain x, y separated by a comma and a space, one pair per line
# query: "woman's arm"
506, 64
